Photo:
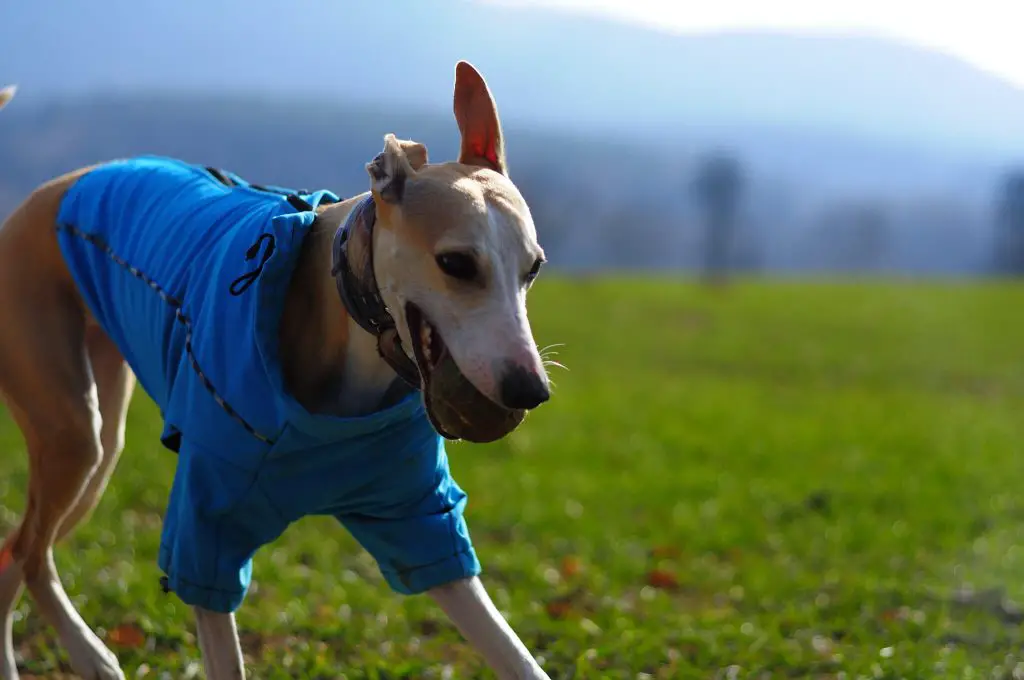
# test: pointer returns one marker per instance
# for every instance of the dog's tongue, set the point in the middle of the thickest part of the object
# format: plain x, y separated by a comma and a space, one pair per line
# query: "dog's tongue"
458, 410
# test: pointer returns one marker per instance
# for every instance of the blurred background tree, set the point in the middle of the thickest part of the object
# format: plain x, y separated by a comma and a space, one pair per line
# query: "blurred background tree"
718, 187
1009, 251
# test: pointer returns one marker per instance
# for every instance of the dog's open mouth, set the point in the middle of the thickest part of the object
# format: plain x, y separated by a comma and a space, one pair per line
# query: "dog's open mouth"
428, 345
457, 410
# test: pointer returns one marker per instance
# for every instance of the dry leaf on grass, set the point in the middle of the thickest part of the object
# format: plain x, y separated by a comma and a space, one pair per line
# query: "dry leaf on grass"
659, 578
571, 566
558, 609
127, 635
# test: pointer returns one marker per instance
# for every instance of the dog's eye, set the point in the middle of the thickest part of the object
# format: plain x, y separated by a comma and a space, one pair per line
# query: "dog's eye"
534, 270
458, 266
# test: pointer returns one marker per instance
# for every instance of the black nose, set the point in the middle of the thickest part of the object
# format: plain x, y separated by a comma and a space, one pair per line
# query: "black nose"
521, 388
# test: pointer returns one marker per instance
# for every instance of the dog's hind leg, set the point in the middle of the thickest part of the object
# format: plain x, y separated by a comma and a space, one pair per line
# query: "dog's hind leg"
115, 383
54, 399
48, 382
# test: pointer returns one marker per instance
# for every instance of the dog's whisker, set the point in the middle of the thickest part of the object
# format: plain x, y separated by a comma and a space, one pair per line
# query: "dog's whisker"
546, 353
551, 363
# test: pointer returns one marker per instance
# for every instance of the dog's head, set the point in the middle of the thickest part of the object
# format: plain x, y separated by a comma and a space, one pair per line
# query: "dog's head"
455, 254
7, 94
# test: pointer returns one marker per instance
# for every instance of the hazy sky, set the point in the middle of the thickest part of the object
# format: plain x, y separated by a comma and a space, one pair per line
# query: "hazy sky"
984, 32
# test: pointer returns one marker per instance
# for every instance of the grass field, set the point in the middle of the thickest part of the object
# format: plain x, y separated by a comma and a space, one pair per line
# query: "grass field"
774, 480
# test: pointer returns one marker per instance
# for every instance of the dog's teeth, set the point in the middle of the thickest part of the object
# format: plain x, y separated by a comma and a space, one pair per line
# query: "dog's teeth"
425, 341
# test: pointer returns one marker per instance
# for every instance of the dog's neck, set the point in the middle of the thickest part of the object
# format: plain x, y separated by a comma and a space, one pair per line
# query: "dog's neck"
353, 267
330, 363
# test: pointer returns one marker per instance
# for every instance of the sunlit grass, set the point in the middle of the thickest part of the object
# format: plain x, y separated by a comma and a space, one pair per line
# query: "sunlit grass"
786, 479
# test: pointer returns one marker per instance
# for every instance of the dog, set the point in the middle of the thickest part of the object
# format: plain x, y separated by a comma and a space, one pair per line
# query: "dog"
310, 355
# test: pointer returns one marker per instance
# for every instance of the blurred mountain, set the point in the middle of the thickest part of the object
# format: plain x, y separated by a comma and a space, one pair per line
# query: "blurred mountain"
551, 68
598, 202
861, 153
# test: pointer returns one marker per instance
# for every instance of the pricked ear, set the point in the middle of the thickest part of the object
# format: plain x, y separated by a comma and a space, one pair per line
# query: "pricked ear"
477, 116
415, 152
7, 94
390, 170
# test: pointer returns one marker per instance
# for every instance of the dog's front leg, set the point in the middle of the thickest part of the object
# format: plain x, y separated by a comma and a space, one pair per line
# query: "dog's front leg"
470, 608
218, 642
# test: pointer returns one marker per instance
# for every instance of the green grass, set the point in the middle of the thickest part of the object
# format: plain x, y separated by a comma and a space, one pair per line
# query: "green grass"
805, 472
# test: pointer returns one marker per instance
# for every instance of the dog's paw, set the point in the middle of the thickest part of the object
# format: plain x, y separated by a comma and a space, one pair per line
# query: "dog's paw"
93, 661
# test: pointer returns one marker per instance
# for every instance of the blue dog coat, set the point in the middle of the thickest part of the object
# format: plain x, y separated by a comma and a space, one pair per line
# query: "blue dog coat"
187, 274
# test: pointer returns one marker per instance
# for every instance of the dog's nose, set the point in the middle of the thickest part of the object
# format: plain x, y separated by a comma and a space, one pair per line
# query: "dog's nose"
522, 388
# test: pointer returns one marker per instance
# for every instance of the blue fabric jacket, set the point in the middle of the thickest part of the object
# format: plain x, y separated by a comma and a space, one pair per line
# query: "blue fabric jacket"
188, 276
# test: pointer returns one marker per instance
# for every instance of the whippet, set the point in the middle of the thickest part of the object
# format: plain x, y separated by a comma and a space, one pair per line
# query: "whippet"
309, 356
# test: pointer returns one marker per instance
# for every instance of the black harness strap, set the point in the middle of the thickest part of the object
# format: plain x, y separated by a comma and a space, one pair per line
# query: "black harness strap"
293, 197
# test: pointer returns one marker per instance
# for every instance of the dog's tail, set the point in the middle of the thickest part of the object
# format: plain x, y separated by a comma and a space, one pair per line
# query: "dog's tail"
7, 94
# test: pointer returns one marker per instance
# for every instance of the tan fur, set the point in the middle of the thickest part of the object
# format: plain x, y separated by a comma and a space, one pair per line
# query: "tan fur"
7, 94
314, 333
68, 388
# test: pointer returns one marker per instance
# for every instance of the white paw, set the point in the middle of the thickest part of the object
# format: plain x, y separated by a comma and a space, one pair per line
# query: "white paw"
92, 660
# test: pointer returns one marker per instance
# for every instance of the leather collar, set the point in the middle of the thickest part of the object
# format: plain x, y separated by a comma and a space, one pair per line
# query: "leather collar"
352, 268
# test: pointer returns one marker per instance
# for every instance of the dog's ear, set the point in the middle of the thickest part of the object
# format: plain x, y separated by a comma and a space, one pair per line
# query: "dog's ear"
393, 166
415, 152
477, 116
7, 94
